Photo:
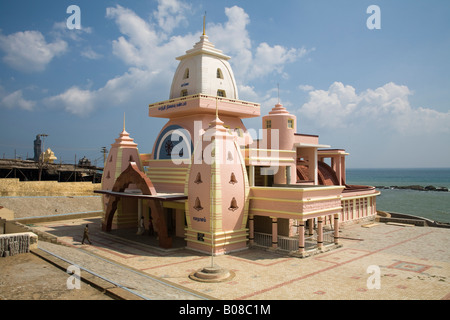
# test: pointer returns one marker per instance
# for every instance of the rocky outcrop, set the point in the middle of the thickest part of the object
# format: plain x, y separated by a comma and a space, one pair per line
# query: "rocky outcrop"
415, 187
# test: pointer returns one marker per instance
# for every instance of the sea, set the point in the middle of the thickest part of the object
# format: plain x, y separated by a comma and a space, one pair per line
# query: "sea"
434, 205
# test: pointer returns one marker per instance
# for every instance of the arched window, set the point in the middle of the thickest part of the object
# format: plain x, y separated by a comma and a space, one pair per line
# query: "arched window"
221, 93
186, 74
219, 74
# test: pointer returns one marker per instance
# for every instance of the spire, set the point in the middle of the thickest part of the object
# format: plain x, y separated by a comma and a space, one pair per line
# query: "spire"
217, 109
204, 24
217, 124
278, 85
124, 137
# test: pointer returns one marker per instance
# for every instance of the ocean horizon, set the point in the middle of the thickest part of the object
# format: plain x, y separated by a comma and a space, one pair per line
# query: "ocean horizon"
434, 205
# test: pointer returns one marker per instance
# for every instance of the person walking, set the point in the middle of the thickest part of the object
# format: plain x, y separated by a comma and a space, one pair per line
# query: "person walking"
141, 227
86, 235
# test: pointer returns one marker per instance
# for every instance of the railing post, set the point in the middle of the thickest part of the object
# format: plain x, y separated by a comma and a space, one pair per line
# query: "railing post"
301, 237
274, 233
251, 226
311, 226
320, 233
336, 229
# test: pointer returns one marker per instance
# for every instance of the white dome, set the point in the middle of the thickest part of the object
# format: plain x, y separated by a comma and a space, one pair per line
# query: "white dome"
204, 69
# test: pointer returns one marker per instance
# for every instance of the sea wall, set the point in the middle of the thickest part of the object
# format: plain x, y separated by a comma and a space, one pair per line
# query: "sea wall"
16, 188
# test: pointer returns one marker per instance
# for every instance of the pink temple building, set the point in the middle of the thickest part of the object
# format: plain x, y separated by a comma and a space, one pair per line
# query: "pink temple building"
208, 182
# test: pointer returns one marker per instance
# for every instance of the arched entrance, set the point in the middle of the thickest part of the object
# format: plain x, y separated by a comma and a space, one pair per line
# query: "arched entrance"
133, 175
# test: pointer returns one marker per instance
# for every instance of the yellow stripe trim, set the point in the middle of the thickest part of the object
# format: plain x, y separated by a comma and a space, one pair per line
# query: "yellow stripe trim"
295, 189
295, 201
294, 213
171, 182
362, 196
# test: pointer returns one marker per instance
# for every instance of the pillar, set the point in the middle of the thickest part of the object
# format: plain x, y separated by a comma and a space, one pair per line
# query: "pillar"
288, 175
343, 176
179, 226
336, 229
251, 226
315, 166
139, 209
311, 226
301, 236
319, 232
251, 177
337, 166
274, 233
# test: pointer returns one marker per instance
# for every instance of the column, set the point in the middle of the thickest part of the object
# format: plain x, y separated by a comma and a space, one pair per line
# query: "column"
315, 166
251, 177
251, 226
301, 236
274, 233
139, 209
311, 226
320, 232
354, 210
288, 175
343, 176
336, 229
338, 168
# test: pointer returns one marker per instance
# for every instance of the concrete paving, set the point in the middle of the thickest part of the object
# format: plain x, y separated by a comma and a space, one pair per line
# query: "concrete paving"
380, 261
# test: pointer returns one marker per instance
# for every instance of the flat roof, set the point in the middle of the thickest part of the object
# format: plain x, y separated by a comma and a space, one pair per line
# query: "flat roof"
310, 145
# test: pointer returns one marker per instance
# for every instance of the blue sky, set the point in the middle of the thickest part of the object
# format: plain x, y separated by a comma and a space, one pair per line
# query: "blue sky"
381, 94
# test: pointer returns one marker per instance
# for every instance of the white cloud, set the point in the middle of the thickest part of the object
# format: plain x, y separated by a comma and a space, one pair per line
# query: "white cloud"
269, 59
74, 100
16, 100
306, 87
170, 14
385, 107
90, 54
149, 51
28, 51
234, 39
60, 31
143, 45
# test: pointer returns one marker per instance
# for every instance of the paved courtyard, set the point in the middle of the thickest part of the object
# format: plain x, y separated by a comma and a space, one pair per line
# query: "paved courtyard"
383, 261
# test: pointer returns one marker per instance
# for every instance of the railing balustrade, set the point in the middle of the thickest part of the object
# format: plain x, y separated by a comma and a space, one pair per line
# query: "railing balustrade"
291, 243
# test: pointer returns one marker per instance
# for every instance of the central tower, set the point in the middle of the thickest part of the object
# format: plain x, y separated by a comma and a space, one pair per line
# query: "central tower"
204, 69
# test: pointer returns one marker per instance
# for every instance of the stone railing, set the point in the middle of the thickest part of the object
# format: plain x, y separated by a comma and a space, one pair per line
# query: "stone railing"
16, 243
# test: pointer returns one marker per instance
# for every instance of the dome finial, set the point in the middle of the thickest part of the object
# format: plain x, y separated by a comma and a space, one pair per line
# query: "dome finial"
278, 85
204, 24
